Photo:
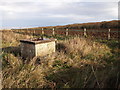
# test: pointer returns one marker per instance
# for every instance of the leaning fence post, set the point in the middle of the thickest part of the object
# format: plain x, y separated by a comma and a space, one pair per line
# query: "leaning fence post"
42, 31
66, 32
85, 34
53, 31
108, 33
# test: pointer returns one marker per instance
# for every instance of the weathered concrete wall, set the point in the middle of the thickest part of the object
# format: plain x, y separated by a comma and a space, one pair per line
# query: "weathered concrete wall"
45, 48
27, 50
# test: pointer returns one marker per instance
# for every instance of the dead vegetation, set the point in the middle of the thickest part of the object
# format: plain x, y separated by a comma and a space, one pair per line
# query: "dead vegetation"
77, 63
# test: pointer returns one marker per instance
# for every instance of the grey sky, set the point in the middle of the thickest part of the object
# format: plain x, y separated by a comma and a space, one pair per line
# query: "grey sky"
54, 12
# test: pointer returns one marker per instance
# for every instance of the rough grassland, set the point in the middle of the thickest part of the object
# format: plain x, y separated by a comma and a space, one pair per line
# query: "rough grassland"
77, 63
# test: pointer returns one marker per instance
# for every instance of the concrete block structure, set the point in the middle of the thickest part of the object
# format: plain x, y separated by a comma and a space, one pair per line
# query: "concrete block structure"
37, 47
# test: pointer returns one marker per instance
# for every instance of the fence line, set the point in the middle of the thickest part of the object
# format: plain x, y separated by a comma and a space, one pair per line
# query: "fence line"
67, 31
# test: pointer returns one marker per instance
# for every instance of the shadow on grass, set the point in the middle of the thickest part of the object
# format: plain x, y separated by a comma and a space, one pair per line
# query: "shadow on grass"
60, 47
84, 77
111, 43
13, 50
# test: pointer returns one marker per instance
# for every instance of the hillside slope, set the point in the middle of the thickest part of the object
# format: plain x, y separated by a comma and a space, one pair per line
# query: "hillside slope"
95, 25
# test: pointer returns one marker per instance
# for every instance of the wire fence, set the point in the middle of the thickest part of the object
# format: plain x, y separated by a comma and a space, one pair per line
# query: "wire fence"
97, 33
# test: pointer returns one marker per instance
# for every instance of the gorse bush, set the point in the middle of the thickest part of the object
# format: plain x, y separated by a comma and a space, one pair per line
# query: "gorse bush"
77, 63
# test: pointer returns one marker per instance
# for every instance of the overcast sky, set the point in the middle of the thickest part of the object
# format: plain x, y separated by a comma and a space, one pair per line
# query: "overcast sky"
18, 13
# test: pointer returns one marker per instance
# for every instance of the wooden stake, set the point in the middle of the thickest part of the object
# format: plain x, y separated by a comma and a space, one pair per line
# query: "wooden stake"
66, 32
108, 33
42, 31
85, 34
53, 32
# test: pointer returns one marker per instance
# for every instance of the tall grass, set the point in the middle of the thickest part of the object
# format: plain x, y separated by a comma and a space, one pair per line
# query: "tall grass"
77, 63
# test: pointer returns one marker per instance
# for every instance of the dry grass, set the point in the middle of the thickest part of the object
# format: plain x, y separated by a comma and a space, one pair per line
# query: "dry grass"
9, 38
78, 62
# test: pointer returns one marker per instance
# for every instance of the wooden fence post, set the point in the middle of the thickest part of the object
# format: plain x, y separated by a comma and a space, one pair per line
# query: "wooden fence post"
85, 34
53, 31
42, 31
27, 31
34, 32
108, 33
20, 30
66, 32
